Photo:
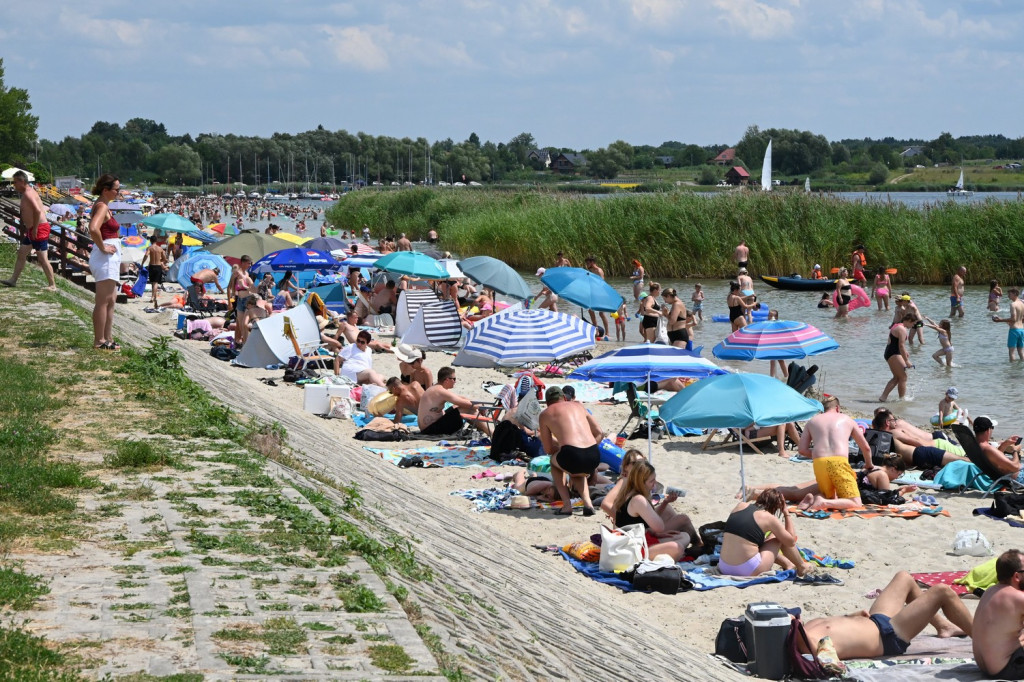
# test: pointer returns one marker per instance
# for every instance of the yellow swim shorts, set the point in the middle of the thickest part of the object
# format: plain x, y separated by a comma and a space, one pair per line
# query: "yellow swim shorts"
835, 477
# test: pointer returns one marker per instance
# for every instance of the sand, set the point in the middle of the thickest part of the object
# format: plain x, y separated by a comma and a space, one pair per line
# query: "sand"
880, 546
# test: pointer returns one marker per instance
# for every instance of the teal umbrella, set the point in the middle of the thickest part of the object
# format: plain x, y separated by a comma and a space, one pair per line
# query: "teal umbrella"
730, 401
169, 222
495, 274
412, 263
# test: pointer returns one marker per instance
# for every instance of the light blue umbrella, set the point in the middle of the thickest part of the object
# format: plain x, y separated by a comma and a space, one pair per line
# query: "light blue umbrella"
738, 401
495, 274
583, 288
169, 222
360, 261
515, 337
646, 362
184, 269
61, 209
412, 263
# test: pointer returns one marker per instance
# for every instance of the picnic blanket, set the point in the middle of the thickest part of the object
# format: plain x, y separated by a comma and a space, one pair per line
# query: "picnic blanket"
911, 510
1015, 521
914, 478
488, 499
943, 578
440, 455
702, 577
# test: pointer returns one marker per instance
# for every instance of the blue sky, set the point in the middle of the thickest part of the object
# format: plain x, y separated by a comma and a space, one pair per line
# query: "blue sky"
573, 73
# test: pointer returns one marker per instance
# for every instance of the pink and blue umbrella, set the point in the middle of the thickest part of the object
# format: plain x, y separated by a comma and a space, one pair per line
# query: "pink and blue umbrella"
774, 340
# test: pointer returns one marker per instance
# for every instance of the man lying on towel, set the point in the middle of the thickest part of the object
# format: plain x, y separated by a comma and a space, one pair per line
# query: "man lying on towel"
900, 613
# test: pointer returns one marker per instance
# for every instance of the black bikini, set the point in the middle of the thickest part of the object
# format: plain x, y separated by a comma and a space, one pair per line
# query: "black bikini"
624, 518
742, 524
844, 295
650, 321
735, 312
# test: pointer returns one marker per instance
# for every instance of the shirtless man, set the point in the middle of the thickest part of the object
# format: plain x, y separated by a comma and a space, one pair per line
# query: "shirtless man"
561, 261
912, 435
34, 232
409, 396
403, 243
384, 299
434, 420
1005, 457
956, 293
591, 264
918, 456
1015, 337
741, 254
998, 620
206, 276
432, 236
830, 432
570, 435
900, 613
157, 267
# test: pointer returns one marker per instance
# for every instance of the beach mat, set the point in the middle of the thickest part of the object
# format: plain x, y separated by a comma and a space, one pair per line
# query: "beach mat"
961, 669
703, 579
914, 478
440, 455
1015, 521
942, 578
872, 511
487, 499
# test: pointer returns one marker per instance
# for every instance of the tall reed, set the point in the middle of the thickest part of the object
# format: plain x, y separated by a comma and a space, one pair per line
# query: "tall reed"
682, 234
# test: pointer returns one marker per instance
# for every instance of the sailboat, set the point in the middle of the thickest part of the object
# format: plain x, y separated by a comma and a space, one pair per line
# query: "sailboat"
766, 169
958, 189
807, 184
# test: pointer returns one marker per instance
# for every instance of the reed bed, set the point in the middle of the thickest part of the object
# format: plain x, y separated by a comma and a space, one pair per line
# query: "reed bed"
681, 234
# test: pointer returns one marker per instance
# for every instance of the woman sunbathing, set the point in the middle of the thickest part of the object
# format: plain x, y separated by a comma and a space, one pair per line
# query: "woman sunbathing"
542, 488
745, 549
633, 505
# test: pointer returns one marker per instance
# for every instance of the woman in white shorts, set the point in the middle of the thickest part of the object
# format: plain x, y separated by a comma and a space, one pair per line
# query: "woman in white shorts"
105, 261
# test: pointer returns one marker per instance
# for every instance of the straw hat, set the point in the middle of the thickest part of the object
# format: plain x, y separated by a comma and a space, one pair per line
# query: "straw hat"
407, 353
519, 502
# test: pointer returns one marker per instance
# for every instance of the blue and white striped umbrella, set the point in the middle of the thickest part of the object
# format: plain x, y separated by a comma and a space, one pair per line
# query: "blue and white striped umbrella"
518, 336
646, 362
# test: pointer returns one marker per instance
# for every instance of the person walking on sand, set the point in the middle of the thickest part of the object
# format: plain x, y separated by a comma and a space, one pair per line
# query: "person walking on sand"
996, 636
591, 264
956, 293
826, 440
1015, 337
570, 436
157, 267
741, 254
34, 232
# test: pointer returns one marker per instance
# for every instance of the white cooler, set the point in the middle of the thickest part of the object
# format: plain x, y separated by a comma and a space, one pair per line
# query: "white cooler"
317, 397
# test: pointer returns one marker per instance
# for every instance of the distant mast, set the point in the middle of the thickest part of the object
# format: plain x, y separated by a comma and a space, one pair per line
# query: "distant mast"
807, 184
766, 169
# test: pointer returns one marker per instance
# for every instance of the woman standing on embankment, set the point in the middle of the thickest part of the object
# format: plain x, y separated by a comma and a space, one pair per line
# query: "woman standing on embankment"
105, 261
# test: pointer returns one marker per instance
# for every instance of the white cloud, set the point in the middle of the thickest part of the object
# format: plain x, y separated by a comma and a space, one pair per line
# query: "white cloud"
359, 46
128, 33
755, 19
657, 13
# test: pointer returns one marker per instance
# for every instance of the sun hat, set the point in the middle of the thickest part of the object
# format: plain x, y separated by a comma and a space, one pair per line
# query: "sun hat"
407, 353
952, 392
817, 267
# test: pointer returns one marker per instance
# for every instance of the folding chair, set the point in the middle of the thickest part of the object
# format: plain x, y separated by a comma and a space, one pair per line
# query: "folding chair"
201, 306
734, 437
637, 407
307, 357
973, 452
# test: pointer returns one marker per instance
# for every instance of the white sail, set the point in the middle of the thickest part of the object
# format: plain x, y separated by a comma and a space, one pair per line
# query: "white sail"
766, 169
960, 182
807, 185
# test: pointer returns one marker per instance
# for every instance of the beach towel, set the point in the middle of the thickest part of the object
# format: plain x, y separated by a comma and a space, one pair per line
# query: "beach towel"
943, 578
961, 475
702, 578
1015, 521
825, 561
914, 478
362, 419
439, 455
921, 669
911, 510
487, 499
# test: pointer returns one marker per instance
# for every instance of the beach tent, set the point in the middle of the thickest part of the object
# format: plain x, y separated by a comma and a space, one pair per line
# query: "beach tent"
409, 303
436, 327
267, 344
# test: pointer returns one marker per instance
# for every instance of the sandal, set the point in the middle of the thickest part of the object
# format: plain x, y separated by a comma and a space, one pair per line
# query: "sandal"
563, 512
484, 474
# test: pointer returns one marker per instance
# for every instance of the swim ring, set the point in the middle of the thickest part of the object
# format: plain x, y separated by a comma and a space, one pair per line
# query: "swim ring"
859, 299
761, 314
950, 419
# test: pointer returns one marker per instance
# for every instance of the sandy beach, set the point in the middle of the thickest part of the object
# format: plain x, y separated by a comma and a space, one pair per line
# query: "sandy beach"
879, 546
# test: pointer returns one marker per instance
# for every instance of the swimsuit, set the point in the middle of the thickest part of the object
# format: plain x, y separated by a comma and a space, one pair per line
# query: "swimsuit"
954, 301
735, 312
742, 524
650, 321
926, 457
450, 422
1014, 669
110, 229
697, 305
892, 645
944, 342
576, 460
1015, 338
835, 477
893, 347
156, 274
844, 294
678, 335
42, 240
741, 264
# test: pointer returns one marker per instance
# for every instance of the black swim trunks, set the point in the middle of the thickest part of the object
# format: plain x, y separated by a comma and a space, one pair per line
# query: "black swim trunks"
892, 645
926, 457
578, 460
450, 422
1014, 669
741, 264
678, 335
156, 274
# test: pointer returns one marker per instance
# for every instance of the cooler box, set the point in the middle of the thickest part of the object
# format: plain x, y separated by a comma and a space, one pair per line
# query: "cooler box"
611, 454
767, 625
317, 397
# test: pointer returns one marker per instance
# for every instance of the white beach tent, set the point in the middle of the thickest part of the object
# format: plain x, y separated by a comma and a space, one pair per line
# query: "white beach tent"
409, 303
267, 344
436, 327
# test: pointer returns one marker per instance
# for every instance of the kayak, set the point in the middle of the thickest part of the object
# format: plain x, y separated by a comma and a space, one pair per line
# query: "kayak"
799, 283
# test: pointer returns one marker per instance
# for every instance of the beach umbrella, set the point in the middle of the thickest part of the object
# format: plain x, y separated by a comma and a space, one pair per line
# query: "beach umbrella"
518, 336
774, 340
360, 248
738, 401
185, 268
252, 244
412, 263
583, 288
451, 266
329, 244
299, 240
646, 362
134, 241
122, 206
223, 229
360, 261
8, 174
169, 222
61, 209
295, 259
495, 274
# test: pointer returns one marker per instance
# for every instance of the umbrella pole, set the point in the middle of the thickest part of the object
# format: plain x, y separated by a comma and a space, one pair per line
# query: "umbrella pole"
649, 453
743, 473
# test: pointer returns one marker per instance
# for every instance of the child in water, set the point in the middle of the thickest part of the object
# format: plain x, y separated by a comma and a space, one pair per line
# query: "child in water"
620, 316
948, 405
945, 341
697, 298
995, 292
824, 301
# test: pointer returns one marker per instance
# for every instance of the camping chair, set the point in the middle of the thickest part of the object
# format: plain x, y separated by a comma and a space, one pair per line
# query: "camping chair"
201, 306
308, 357
733, 437
564, 366
972, 450
800, 379
637, 407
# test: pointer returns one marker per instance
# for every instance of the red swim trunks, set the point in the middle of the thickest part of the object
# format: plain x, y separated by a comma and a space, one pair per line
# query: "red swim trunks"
42, 232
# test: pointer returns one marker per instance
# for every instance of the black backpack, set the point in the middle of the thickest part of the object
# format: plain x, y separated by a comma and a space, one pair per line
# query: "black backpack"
731, 641
1007, 504
505, 440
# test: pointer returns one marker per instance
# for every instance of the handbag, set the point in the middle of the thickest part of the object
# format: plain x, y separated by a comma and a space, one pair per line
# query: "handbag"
622, 548
804, 666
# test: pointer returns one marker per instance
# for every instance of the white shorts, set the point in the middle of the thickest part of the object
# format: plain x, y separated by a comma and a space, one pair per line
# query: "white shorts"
106, 266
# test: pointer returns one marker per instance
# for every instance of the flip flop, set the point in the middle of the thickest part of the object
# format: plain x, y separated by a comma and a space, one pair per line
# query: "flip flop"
484, 474
563, 512
817, 579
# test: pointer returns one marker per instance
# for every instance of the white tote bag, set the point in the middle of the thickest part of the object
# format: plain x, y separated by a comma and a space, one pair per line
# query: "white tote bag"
622, 548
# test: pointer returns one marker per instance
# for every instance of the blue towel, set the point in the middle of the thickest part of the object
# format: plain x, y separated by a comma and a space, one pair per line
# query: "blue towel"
986, 511
956, 475
139, 287
674, 430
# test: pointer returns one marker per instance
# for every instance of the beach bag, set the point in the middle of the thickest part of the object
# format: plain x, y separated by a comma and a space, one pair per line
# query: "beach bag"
730, 641
341, 408
803, 666
971, 543
652, 577
1007, 504
505, 440
661, 332
622, 548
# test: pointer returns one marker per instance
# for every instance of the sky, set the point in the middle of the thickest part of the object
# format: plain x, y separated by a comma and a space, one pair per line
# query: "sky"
573, 73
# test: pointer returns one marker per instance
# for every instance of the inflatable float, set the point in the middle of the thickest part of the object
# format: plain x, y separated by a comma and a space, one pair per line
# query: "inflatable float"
758, 315
950, 419
858, 299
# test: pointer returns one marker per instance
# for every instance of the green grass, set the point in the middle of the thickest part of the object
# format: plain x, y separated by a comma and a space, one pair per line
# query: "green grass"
282, 635
137, 454
19, 590
390, 657
26, 657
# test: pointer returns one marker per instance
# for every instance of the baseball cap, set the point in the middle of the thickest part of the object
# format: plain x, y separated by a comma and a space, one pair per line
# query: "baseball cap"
952, 392
540, 271
983, 423
553, 394
817, 267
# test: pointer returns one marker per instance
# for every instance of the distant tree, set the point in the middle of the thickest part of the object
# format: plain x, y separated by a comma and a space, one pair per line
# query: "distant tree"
176, 164
17, 125
943, 149
474, 139
708, 175
603, 164
878, 175
840, 153
41, 172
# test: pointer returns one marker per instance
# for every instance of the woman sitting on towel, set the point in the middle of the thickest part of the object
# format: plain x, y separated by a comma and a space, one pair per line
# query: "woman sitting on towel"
746, 548
633, 505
